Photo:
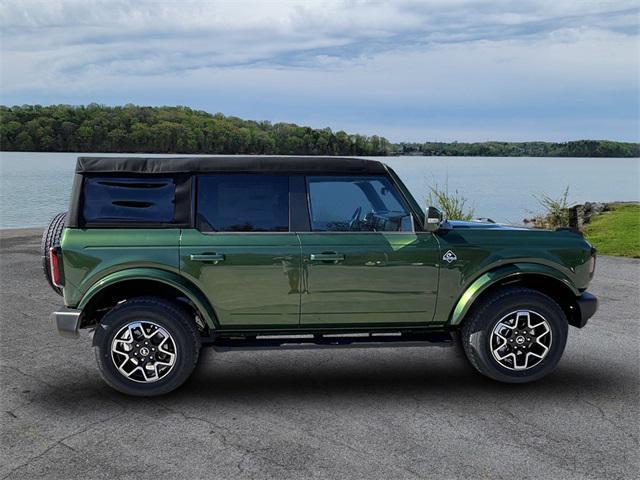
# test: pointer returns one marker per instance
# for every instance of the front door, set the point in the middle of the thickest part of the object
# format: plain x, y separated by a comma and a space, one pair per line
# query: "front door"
362, 261
241, 253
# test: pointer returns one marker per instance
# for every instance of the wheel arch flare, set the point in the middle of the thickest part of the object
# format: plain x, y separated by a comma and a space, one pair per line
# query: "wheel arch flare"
132, 279
537, 276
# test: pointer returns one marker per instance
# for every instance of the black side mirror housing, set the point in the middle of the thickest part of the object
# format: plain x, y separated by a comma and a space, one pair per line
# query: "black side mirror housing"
433, 219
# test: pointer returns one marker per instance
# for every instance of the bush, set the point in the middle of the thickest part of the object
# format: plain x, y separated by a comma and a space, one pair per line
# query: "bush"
453, 206
556, 210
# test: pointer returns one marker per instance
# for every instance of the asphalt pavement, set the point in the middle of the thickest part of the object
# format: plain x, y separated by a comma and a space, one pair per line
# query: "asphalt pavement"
391, 413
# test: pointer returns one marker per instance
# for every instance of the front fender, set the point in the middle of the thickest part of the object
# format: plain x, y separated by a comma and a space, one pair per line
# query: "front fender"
487, 279
168, 278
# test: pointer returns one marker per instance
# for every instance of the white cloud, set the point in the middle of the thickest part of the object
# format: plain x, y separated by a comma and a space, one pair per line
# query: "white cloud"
330, 61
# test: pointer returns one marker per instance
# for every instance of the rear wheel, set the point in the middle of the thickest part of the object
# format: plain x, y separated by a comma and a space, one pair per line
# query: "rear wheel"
146, 346
51, 238
516, 335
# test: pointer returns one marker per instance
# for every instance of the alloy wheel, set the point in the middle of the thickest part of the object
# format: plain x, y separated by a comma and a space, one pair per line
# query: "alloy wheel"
143, 351
521, 340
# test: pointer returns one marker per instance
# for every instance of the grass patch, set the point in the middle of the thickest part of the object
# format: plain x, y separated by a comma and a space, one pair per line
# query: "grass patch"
616, 232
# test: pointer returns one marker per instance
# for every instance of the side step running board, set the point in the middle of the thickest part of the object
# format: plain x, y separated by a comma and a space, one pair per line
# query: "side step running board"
359, 340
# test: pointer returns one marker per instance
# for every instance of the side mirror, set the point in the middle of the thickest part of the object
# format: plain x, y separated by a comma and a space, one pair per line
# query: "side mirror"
433, 219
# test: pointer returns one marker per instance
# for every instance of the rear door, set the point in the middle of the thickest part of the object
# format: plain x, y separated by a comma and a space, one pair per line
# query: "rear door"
241, 253
363, 263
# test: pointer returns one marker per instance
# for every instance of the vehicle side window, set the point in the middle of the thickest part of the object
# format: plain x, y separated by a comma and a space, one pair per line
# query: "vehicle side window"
360, 204
243, 203
129, 200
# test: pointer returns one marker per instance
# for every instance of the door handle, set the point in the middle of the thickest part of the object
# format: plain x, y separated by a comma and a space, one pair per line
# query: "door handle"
207, 257
326, 257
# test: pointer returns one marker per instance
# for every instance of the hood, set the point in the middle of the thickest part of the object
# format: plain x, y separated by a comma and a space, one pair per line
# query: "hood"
479, 224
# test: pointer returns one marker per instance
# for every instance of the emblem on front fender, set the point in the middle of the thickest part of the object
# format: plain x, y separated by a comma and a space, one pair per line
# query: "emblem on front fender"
449, 257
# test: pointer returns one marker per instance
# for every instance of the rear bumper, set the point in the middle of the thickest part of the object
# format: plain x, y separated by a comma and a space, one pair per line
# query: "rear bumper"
67, 321
587, 307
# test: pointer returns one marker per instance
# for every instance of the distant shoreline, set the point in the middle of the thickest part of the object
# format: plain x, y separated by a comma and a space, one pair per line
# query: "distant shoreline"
395, 155
182, 130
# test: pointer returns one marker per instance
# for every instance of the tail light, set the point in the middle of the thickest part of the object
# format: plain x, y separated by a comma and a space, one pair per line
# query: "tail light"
55, 262
592, 263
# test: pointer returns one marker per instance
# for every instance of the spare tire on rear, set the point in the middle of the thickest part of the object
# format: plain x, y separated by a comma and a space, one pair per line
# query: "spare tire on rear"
51, 238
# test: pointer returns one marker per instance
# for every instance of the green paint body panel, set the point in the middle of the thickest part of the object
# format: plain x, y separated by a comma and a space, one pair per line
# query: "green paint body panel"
269, 281
257, 283
489, 255
98, 258
93, 254
385, 278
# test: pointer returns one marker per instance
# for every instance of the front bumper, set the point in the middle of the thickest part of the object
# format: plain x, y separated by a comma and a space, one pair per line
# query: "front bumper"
587, 307
68, 321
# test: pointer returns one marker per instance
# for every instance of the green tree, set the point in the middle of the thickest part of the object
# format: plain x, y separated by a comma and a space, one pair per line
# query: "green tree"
132, 128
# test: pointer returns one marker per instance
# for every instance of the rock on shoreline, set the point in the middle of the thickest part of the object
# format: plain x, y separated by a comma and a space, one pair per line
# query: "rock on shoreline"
578, 215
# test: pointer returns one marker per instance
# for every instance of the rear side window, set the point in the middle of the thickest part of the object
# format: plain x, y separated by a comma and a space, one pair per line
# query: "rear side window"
243, 203
129, 200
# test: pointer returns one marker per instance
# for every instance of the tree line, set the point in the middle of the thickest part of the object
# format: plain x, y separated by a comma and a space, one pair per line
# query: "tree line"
136, 129
578, 148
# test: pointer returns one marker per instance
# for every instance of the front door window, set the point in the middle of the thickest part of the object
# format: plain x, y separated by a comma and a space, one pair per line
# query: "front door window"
356, 204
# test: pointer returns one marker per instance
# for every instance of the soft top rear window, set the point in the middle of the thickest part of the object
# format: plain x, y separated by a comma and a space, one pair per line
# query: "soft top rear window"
109, 200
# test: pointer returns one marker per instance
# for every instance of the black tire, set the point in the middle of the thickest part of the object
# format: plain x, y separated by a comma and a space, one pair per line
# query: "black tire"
169, 316
51, 238
478, 327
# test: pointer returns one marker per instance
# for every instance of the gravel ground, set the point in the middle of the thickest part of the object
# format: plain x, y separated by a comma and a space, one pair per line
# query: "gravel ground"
359, 413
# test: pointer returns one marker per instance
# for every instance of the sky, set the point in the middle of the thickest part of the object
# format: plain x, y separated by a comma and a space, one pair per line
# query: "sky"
431, 70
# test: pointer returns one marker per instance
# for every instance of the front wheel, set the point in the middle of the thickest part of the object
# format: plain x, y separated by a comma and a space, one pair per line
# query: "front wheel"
146, 346
516, 335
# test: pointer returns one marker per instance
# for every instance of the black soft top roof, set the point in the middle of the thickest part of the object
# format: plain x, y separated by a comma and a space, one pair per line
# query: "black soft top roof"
240, 164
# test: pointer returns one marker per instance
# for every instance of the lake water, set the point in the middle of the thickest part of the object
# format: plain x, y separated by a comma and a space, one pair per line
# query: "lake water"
36, 186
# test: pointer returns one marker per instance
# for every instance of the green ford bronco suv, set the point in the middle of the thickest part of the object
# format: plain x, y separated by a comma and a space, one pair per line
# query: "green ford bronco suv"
160, 256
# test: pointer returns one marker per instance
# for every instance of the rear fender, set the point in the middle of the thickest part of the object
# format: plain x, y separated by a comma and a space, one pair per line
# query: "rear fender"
168, 278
